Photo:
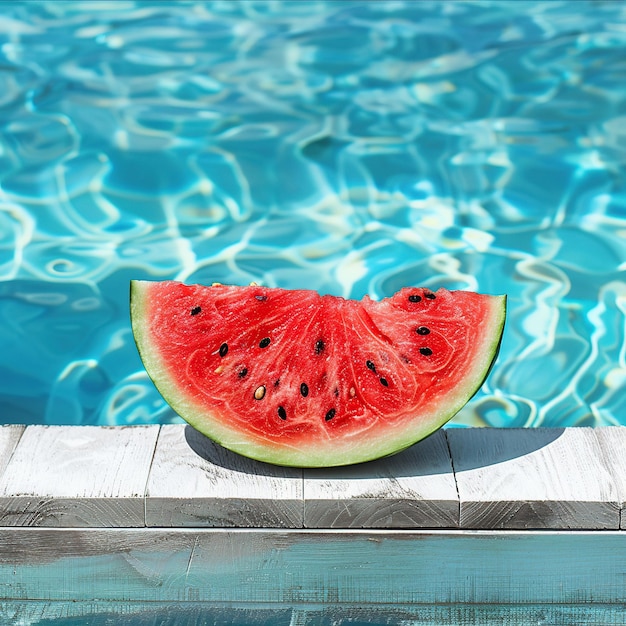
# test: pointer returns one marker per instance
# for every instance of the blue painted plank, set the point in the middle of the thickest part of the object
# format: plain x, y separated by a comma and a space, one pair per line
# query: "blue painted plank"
304, 567
215, 614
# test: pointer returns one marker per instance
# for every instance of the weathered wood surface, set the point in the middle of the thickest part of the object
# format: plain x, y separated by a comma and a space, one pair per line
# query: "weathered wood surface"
613, 444
534, 478
171, 476
77, 476
413, 489
9, 437
98, 613
287, 567
195, 482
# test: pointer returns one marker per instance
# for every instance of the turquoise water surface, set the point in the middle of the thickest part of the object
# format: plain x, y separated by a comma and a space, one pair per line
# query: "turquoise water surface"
349, 147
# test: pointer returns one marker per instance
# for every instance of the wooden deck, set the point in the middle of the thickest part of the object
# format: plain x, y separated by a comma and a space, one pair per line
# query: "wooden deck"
161, 514
171, 476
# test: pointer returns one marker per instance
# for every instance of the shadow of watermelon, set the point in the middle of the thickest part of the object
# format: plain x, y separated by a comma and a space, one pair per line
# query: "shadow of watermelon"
430, 456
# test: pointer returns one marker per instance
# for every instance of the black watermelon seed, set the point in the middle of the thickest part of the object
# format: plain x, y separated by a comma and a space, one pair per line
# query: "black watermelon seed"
282, 413
319, 346
370, 366
336, 392
430, 296
264, 342
426, 351
414, 298
196, 310
277, 382
261, 298
304, 390
383, 382
223, 349
422, 330
330, 415
242, 373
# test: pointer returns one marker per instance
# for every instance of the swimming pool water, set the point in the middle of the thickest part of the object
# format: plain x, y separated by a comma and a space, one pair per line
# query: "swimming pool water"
350, 147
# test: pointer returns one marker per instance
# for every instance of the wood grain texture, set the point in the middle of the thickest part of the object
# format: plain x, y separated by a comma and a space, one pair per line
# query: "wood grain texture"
613, 444
511, 479
9, 437
98, 613
412, 489
291, 567
77, 476
533, 479
195, 482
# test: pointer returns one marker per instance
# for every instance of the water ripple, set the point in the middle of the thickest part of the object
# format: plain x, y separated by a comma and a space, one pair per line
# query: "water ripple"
351, 147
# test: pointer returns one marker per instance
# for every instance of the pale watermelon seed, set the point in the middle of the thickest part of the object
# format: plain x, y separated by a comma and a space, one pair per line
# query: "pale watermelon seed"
282, 413
330, 415
422, 330
304, 390
264, 342
415, 298
196, 310
426, 351
259, 393
223, 349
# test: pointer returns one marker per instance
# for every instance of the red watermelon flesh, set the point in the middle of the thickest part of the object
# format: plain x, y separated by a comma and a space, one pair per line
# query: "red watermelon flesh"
294, 378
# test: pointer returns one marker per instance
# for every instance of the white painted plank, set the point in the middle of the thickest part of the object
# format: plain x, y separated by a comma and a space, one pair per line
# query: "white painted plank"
525, 478
77, 476
532, 478
412, 489
291, 567
9, 437
613, 443
195, 482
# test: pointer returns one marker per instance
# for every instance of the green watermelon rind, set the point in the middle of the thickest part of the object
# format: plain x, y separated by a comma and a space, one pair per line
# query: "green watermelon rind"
324, 455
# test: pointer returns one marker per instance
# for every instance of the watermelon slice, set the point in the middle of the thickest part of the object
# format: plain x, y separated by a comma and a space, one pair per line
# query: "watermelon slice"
295, 378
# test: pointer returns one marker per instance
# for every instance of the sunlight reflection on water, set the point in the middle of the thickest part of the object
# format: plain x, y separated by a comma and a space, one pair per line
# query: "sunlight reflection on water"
348, 147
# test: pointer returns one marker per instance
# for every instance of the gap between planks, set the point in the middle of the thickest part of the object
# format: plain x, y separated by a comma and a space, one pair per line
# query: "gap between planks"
171, 476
